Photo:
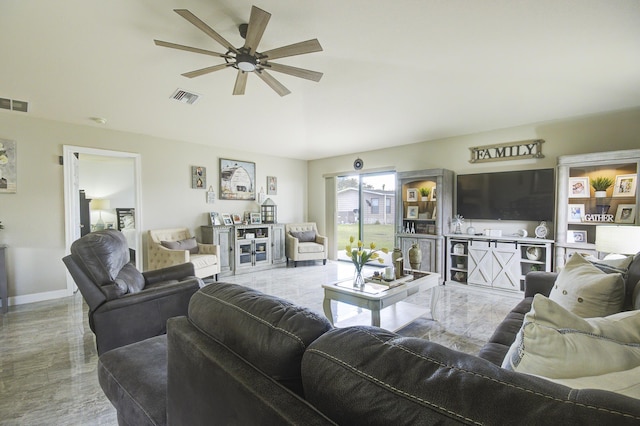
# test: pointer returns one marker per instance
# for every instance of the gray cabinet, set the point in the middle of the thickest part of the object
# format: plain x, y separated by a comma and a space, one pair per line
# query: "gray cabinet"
429, 246
224, 237
278, 255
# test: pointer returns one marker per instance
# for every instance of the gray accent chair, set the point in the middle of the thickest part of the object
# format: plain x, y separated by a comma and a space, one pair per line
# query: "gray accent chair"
303, 242
125, 305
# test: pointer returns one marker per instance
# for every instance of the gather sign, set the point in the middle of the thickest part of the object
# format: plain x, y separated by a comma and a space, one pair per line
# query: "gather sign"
507, 151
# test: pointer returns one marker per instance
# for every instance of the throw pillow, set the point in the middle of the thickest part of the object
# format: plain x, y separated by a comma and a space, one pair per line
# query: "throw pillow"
189, 244
556, 343
622, 382
611, 264
587, 291
304, 236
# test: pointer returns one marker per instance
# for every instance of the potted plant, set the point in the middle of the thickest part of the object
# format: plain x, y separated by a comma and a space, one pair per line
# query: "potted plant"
424, 193
600, 185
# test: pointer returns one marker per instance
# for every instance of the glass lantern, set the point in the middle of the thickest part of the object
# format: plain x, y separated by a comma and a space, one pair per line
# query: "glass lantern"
269, 211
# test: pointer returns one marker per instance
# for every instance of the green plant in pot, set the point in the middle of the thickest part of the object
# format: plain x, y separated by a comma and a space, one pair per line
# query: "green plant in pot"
424, 193
600, 185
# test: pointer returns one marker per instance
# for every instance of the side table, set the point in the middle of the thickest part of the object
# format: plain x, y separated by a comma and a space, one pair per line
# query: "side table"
4, 290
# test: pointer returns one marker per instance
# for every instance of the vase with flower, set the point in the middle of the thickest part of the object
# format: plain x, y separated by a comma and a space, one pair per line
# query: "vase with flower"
360, 256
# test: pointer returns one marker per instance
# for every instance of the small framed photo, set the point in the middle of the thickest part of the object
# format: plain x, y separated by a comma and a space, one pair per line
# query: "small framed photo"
256, 218
226, 219
412, 194
272, 185
431, 229
412, 212
237, 219
576, 213
214, 219
198, 177
433, 193
576, 236
625, 186
626, 213
579, 187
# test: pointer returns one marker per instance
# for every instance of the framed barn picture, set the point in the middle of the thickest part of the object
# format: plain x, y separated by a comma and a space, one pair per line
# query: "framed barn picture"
237, 180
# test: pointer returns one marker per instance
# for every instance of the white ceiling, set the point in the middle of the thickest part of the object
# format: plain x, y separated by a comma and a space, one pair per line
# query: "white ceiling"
395, 72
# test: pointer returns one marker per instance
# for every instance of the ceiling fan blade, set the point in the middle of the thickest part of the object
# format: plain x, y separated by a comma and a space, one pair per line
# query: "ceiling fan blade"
241, 83
257, 24
188, 48
301, 48
273, 83
206, 70
205, 28
296, 72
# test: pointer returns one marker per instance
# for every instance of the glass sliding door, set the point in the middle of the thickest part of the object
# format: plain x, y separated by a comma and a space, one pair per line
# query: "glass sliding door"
366, 211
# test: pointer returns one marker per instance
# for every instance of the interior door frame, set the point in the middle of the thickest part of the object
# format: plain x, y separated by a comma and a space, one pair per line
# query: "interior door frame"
71, 203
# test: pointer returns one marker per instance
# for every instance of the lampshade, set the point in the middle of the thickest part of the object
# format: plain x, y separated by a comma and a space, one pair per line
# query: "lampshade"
618, 239
100, 204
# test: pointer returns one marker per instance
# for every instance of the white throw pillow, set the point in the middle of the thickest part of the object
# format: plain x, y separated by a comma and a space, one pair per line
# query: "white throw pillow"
587, 291
555, 343
623, 382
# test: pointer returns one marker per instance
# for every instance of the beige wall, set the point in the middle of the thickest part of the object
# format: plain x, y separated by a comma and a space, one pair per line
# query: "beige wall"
34, 217
606, 132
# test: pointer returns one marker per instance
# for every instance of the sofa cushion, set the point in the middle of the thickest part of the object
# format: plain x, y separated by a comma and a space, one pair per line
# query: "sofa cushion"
626, 382
310, 248
304, 236
556, 343
188, 244
203, 260
269, 332
131, 278
587, 291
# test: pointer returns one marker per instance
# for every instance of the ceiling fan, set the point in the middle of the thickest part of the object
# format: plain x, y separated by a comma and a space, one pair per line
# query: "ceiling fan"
247, 59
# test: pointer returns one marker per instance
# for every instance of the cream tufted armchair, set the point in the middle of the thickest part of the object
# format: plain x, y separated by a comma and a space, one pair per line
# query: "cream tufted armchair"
168, 247
302, 242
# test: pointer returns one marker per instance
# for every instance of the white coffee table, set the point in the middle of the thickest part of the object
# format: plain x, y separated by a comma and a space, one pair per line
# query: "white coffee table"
386, 304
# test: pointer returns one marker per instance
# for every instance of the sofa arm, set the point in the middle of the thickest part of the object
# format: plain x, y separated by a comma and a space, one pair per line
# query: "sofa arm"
291, 246
209, 249
539, 282
162, 257
321, 239
177, 272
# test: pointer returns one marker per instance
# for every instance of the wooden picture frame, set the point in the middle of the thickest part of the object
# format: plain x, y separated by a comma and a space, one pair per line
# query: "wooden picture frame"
198, 177
433, 193
237, 180
412, 194
226, 219
412, 212
256, 218
8, 166
626, 213
625, 185
576, 236
575, 213
272, 185
579, 187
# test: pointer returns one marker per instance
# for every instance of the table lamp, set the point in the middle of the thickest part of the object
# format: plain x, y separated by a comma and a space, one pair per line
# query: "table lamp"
614, 239
98, 205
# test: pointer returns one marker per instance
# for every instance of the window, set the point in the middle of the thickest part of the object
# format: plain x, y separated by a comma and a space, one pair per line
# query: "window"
375, 206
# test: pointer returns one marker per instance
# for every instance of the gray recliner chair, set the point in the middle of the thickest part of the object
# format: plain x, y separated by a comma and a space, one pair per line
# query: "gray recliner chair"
125, 305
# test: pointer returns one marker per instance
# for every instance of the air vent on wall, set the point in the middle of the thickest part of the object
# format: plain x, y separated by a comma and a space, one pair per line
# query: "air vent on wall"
14, 105
185, 97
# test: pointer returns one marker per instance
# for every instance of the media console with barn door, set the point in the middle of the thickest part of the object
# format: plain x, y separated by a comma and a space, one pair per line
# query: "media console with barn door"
494, 262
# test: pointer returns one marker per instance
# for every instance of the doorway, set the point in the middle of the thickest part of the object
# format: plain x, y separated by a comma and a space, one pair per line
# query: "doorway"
127, 194
366, 210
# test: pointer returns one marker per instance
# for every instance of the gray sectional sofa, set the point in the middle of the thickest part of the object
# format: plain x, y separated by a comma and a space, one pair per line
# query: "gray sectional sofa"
243, 357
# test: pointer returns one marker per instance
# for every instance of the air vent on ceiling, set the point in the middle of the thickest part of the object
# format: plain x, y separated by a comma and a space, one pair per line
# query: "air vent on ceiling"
185, 97
14, 105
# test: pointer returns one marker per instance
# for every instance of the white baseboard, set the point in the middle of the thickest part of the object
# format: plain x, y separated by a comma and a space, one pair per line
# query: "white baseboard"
37, 297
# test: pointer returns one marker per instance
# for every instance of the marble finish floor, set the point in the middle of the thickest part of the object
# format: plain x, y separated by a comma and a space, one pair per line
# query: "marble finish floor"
48, 358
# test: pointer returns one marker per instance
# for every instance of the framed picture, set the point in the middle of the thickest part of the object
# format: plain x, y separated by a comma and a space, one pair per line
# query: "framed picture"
626, 213
237, 180
412, 194
576, 236
625, 186
576, 212
272, 185
226, 219
214, 218
198, 177
256, 218
579, 187
433, 193
8, 164
412, 212
431, 229
237, 219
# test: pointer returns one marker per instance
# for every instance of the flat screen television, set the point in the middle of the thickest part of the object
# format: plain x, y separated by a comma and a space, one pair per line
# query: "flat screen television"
527, 195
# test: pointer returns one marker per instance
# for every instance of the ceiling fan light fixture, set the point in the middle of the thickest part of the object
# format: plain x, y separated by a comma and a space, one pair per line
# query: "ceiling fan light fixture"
246, 62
